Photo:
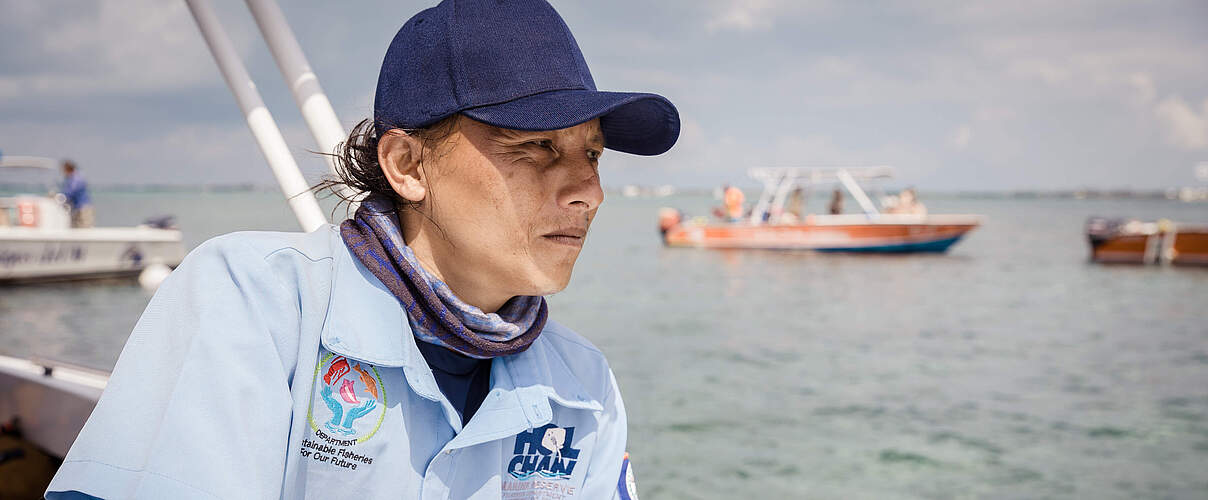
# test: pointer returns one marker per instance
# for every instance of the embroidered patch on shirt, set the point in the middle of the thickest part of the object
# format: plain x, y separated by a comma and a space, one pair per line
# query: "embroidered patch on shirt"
542, 464
545, 452
354, 405
353, 397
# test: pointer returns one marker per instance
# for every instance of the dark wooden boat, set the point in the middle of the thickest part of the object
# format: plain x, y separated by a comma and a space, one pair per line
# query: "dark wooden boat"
1132, 241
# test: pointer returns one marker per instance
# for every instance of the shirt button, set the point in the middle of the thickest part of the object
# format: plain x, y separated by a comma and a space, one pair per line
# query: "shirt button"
448, 452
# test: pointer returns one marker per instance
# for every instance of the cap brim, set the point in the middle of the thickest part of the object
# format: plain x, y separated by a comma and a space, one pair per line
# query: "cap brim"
636, 123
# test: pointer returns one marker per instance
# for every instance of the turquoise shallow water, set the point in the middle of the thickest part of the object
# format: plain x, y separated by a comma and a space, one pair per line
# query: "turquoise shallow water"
1008, 368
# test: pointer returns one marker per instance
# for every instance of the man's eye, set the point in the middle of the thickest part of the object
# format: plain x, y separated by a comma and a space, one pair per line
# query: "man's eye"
593, 154
542, 143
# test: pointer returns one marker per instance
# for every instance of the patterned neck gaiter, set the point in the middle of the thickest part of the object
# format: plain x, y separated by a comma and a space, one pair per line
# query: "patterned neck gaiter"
436, 315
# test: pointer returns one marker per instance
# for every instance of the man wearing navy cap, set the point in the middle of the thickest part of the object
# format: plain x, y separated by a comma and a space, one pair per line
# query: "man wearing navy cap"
408, 352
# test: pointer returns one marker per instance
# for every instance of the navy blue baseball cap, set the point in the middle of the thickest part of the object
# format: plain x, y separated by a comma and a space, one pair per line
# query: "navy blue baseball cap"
512, 64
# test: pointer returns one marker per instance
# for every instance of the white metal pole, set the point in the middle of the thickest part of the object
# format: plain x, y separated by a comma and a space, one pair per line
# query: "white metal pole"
316, 109
769, 186
857, 192
259, 120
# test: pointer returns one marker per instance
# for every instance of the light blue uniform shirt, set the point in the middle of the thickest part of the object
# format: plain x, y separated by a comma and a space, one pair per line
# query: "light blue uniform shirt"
274, 365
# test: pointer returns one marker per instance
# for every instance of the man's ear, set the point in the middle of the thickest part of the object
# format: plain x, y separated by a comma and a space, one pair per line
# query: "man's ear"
399, 156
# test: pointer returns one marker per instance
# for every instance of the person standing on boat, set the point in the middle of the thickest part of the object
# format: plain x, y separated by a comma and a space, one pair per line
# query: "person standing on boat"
409, 352
733, 199
796, 204
75, 190
836, 202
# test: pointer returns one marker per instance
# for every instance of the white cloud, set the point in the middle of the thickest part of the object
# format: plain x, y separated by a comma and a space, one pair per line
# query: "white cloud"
207, 153
1185, 128
755, 15
113, 46
742, 16
992, 113
1044, 70
1144, 86
758, 82
1182, 125
9, 88
961, 136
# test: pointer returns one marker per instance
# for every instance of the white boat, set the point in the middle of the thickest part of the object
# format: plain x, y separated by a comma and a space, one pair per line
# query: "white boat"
37, 242
48, 400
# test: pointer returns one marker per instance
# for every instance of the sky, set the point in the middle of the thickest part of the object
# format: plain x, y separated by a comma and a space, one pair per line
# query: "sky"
986, 96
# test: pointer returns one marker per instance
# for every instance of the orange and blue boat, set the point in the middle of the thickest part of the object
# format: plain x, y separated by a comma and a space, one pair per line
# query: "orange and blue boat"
769, 225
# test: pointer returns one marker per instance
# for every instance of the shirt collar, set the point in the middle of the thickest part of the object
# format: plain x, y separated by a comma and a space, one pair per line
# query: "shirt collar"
362, 316
543, 371
362, 313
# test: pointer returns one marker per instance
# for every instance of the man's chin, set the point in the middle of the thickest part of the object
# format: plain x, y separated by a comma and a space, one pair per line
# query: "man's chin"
552, 283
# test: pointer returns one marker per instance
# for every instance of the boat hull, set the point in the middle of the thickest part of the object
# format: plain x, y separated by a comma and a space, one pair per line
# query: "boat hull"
51, 400
1133, 242
834, 235
33, 255
1191, 248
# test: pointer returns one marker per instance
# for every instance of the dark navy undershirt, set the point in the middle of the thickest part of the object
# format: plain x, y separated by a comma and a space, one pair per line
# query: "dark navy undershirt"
465, 381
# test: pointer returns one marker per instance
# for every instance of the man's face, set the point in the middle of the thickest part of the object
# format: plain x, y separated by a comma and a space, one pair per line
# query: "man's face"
512, 208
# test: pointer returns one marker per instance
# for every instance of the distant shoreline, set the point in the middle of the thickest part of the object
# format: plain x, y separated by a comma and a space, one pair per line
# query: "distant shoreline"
1174, 194
1195, 193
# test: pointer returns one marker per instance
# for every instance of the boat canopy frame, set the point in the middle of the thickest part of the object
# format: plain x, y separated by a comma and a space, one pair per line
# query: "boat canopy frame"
40, 162
778, 182
47, 167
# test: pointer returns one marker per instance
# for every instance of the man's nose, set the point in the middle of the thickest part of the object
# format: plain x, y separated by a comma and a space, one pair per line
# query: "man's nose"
582, 186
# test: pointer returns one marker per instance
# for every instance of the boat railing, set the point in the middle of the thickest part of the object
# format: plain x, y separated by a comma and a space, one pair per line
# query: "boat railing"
71, 372
816, 175
778, 183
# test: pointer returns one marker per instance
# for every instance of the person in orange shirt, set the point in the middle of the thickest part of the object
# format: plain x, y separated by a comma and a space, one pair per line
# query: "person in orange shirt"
733, 199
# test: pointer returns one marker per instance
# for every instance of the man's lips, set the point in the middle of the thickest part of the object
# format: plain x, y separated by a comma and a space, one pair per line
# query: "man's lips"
572, 236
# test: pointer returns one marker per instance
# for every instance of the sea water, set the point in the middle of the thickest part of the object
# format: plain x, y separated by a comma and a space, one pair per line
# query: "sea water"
1009, 367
